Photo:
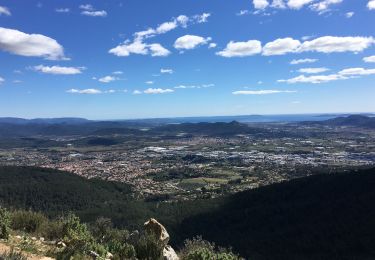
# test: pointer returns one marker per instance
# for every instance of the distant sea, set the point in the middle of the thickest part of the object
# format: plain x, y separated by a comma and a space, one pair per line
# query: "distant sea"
247, 118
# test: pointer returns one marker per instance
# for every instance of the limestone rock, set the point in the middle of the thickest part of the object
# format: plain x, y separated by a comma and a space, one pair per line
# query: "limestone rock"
158, 229
169, 253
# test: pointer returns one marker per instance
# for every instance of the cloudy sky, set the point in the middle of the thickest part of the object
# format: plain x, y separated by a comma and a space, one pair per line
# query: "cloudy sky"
140, 58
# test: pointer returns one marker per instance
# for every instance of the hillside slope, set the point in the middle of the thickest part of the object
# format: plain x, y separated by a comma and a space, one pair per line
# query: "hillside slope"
317, 217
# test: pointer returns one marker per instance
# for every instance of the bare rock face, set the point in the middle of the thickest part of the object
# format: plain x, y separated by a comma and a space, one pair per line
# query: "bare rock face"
158, 229
153, 226
169, 253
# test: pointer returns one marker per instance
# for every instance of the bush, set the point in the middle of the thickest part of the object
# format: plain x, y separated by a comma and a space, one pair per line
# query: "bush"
149, 247
5, 222
28, 221
12, 255
199, 249
77, 238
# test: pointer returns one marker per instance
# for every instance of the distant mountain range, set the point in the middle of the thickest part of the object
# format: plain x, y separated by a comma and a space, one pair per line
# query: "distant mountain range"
352, 120
180, 120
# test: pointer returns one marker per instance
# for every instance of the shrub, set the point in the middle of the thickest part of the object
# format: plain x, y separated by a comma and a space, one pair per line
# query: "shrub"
5, 222
199, 249
28, 221
77, 237
149, 247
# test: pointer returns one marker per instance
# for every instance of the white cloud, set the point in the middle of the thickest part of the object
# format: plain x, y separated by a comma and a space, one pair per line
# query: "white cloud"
107, 79
357, 72
157, 50
150, 82
58, 70
203, 18
243, 12
212, 45
312, 70
101, 13
62, 10
182, 20
168, 71
260, 4
241, 49
118, 72
298, 4
313, 79
281, 46
189, 42
31, 45
89, 10
157, 91
324, 6
86, 7
341, 75
194, 86
166, 27
1, 80
369, 59
371, 4
137, 92
137, 46
84, 91
301, 61
328, 44
349, 14
4, 11
280, 4
261, 92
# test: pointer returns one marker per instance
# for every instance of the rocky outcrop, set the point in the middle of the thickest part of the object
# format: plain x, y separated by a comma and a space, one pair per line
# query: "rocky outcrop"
154, 227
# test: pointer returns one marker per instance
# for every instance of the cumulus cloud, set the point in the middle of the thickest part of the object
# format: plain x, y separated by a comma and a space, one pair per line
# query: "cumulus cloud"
62, 10
260, 4
31, 45
212, 45
89, 10
107, 79
4, 11
281, 46
324, 6
241, 49
328, 44
369, 59
301, 61
371, 4
298, 4
261, 92
166, 71
58, 70
137, 92
157, 50
157, 91
138, 45
84, 91
188, 42
312, 70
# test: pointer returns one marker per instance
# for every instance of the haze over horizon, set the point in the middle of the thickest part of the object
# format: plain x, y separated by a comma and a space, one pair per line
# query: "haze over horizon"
141, 59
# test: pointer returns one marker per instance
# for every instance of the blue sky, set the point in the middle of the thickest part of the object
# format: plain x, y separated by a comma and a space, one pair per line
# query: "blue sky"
120, 59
